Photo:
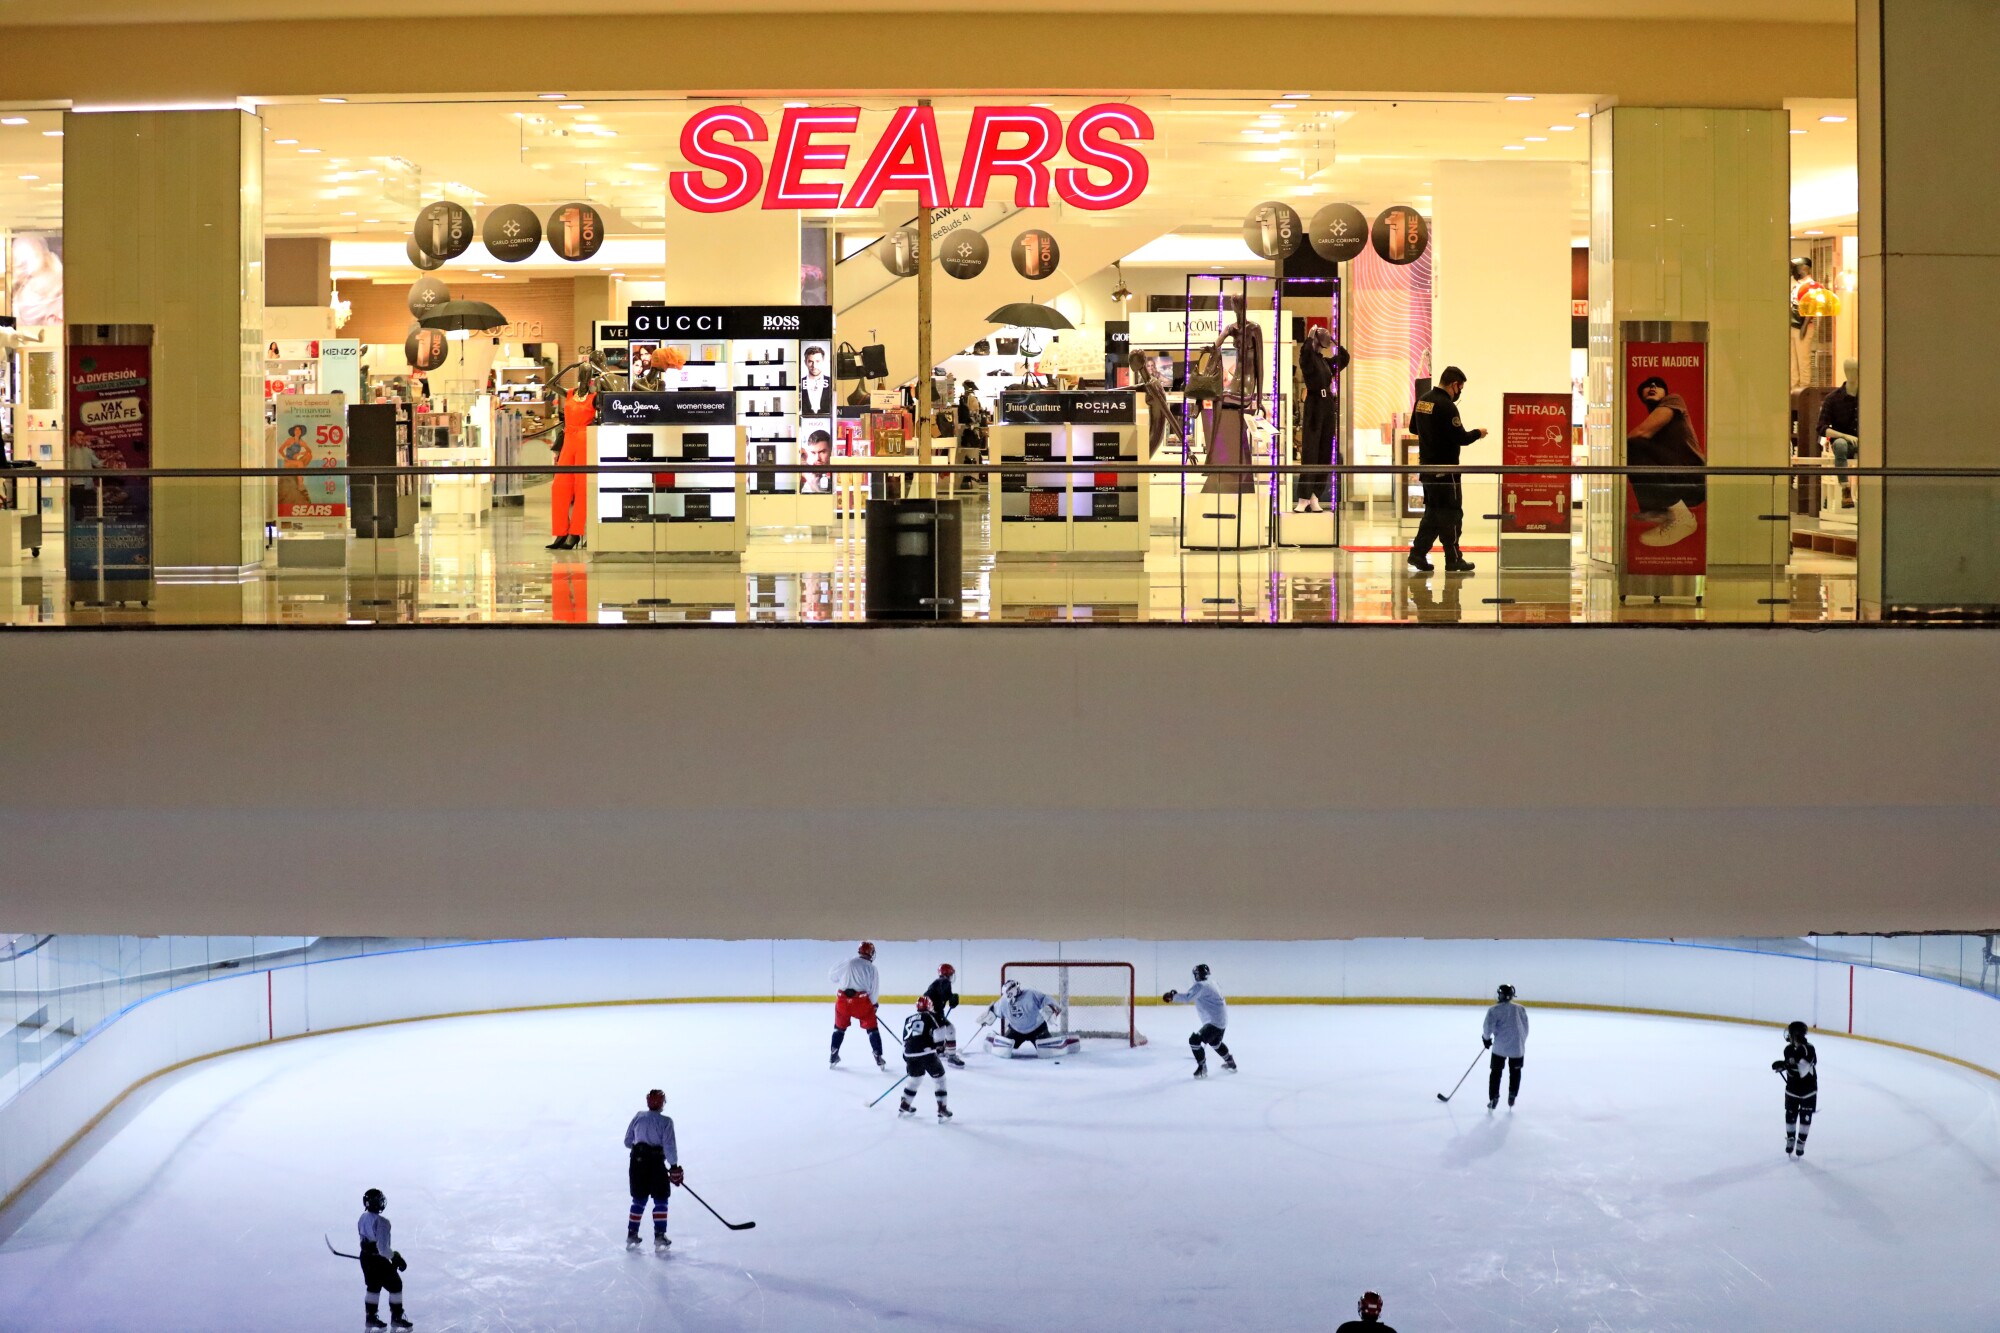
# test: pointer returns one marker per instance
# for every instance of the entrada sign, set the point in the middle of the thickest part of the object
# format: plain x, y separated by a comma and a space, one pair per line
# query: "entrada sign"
1016, 142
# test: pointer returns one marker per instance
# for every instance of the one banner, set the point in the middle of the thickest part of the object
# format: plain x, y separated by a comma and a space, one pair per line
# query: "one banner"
110, 529
312, 436
1534, 432
1666, 424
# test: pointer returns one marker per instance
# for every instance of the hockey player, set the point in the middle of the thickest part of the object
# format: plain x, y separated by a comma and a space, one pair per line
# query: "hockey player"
1024, 1014
1506, 1035
943, 1000
920, 1057
1800, 1066
1213, 1011
654, 1169
1369, 1307
858, 989
382, 1266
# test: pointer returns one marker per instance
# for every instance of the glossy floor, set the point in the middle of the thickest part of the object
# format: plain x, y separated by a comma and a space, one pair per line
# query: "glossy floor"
497, 570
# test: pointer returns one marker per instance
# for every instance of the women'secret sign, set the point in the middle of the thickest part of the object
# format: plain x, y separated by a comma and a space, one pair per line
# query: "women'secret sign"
1016, 142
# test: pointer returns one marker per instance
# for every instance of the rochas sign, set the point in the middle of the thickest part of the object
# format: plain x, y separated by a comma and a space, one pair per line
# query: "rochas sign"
1015, 142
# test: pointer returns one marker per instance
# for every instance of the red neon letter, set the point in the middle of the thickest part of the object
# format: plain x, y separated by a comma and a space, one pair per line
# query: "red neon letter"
907, 157
1027, 164
796, 154
1090, 143
701, 143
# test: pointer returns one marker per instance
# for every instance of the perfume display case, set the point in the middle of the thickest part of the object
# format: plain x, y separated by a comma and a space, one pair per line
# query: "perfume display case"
656, 505
1068, 497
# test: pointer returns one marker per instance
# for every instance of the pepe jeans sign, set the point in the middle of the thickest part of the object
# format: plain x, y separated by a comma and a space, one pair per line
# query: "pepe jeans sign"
1017, 142
666, 409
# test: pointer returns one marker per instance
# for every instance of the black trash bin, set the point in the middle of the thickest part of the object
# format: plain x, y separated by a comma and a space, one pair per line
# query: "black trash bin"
916, 557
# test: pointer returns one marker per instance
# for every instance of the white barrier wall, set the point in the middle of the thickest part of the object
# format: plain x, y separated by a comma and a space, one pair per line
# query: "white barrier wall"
238, 1011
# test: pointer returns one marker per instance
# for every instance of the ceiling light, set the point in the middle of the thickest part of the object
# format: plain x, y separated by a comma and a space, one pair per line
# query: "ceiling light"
555, 97
1561, 129
1270, 120
1297, 97
1519, 97
52, 134
1281, 106
1833, 120
1535, 138
308, 150
618, 275
350, 215
14, 120
1583, 115
333, 100
1798, 131
283, 143
31, 178
570, 106
1514, 148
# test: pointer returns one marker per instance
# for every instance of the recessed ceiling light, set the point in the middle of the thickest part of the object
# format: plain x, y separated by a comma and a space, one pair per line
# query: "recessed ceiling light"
555, 97
31, 178
14, 120
308, 150
570, 106
618, 275
334, 100
1815, 233
1583, 115
52, 134
1519, 97
1536, 138
1798, 131
1562, 129
1833, 120
1514, 148
371, 221
1270, 120
1297, 97
1281, 106
283, 143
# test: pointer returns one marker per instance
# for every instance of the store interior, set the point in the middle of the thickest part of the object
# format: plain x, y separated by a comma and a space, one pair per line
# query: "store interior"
1143, 288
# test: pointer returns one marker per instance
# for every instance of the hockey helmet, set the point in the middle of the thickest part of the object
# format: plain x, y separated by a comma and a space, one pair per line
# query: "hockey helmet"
866, 950
1369, 1303
947, 970
1795, 1030
374, 1201
1201, 971
1506, 992
655, 1100
923, 1004
1009, 986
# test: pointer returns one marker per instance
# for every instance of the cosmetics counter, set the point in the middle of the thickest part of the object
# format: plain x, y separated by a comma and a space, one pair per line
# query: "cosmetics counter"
1068, 506
667, 511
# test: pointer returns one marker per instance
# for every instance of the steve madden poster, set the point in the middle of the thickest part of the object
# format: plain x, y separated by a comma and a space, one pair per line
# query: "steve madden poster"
1666, 416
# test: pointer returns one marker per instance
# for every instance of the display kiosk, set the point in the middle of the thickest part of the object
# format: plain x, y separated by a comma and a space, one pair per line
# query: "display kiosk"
777, 364
652, 507
1065, 508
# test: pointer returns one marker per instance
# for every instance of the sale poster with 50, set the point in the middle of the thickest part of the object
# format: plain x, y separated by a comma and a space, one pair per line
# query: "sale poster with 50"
312, 437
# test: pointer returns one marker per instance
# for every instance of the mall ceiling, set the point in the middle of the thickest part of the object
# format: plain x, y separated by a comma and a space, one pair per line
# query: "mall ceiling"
40, 13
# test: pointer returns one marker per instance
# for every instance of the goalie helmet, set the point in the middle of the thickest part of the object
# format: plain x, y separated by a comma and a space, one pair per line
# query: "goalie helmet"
1201, 971
1795, 1030
1369, 1303
923, 1004
374, 1201
1506, 992
1010, 986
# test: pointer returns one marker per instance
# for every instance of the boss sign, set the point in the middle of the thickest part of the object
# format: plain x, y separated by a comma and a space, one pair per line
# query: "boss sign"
1015, 142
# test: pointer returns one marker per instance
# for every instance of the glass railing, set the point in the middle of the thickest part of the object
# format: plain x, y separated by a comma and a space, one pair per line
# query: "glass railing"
1064, 539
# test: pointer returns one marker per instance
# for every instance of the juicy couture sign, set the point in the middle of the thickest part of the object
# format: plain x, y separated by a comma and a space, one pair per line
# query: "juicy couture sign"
1014, 142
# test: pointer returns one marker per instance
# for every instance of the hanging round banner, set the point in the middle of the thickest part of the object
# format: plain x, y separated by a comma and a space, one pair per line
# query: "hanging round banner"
1273, 231
425, 348
420, 261
1401, 235
576, 232
964, 253
1036, 255
443, 230
426, 295
1338, 232
511, 233
898, 252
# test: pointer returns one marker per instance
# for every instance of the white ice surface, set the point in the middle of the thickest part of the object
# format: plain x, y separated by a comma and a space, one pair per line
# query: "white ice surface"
1641, 1184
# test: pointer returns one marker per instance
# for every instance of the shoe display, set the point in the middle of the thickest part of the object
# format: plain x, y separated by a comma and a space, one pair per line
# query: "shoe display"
1680, 524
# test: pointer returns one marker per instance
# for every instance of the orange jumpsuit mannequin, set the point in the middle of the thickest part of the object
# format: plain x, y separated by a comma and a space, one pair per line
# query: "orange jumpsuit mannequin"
567, 512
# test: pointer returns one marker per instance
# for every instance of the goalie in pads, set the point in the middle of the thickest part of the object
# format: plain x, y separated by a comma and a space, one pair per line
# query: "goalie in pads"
1024, 1021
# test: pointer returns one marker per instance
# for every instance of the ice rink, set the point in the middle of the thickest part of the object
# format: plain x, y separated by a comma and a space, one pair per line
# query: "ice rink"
1640, 1184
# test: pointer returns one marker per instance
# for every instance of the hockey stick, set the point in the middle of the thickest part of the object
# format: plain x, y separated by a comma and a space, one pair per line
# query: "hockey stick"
733, 1226
329, 1244
1447, 1096
886, 1091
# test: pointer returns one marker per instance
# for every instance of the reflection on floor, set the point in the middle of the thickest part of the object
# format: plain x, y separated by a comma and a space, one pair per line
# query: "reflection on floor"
497, 571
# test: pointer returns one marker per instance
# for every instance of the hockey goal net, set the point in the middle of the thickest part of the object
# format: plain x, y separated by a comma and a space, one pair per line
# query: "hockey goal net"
1097, 999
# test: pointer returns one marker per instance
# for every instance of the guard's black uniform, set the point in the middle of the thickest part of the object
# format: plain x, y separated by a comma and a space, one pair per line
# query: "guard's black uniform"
1800, 1066
1440, 435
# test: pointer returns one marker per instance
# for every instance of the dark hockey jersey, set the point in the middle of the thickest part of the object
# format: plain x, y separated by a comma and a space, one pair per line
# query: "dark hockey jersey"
943, 998
1800, 1066
920, 1034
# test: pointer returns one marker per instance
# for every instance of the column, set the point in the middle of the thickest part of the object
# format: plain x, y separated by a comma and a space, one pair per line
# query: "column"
1501, 297
1689, 220
1930, 282
746, 257
163, 225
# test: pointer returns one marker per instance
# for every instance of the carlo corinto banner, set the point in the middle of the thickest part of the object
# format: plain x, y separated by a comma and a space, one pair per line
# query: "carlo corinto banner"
1016, 142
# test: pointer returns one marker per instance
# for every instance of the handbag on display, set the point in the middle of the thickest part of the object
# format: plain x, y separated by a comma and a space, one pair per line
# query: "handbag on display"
1007, 346
982, 348
846, 362
1205, 380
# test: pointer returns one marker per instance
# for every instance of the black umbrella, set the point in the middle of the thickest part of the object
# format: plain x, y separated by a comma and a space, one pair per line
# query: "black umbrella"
1030, 315
470, 316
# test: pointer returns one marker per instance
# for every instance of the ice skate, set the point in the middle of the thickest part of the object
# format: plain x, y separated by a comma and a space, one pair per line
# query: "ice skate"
374, 1320
396, 1319
631, 1240
660, 1242
834, 1063
1229, 1063
1510, 1101
944, 1114
1493, 1105
904, 1108
1802, 1151
880, 1063
1201, 1069
1679, 525
955, 1061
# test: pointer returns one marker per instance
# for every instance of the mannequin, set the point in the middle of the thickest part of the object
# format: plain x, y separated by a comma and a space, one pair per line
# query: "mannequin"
1320, 364
567, 512
1147, 380
1228, 435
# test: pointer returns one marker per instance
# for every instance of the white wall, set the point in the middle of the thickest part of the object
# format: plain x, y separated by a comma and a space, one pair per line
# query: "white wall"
1500, 303
243, 1010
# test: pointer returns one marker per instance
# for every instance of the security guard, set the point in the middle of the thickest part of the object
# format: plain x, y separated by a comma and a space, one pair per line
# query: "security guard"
1440, 436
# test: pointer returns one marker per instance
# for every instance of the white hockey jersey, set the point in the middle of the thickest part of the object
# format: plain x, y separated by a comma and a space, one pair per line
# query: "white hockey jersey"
1507, 1026
374, 1230
1208, 1003
1022, 1011
857, 973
